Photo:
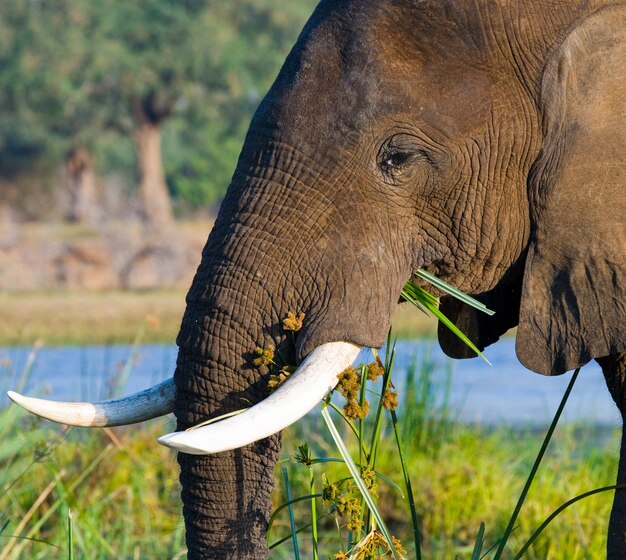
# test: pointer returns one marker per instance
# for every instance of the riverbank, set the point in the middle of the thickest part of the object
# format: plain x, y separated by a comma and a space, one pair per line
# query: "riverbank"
65, 317
462, 474
461, 477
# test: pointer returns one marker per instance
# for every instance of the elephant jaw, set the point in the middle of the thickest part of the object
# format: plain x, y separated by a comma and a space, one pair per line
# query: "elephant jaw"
305, 388
151, 403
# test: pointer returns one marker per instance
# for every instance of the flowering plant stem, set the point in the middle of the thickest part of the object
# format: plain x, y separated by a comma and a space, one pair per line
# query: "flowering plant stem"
356, 475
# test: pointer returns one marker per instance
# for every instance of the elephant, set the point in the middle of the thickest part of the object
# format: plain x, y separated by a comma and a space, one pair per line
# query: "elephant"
480, 140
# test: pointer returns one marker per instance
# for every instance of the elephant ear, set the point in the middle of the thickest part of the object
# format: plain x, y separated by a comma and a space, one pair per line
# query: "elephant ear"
480, 328
573, 304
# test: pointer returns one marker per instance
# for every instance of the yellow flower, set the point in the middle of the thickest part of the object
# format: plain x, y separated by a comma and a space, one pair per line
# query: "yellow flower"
293, 322
398, 545
354, 523
348, 506
375, 370
265, 356
330, 492
349, 383
354, 410
390, 400
276, 380
369, 477
374, 545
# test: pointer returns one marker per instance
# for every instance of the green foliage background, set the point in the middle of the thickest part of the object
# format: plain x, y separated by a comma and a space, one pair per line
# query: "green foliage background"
73, 72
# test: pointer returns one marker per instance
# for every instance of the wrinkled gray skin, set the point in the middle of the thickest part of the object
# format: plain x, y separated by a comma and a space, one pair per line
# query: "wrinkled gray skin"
482, 140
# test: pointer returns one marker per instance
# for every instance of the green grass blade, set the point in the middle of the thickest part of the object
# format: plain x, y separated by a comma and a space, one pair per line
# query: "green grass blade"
216, 419
452, 291
298, 530
378, 475
28, 367
414, 301
389, 346
389, 359
535, 467
283, 506
363, 457
57, 503
313, 512
494, 545
292, 520
5, 524
350, 425
480, 540
559, 510
386, 383
70, 543
120, 384
408, 486
356, 475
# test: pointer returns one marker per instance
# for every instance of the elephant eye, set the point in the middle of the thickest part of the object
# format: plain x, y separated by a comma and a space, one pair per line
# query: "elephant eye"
398, 154
395, 158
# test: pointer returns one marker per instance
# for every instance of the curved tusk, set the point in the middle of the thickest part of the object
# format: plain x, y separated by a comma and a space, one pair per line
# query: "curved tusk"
305, 388
151, 403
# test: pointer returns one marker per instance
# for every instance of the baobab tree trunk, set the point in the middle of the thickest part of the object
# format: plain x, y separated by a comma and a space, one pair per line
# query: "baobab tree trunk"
154, 198
82, 178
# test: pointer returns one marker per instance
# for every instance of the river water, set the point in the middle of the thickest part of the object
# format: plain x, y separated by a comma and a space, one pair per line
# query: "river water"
502, 394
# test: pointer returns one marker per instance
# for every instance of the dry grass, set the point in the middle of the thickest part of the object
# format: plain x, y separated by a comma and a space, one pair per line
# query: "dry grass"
82, 317
89, 317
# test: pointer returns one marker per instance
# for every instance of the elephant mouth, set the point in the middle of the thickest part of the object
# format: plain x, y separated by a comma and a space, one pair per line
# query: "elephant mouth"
305, 388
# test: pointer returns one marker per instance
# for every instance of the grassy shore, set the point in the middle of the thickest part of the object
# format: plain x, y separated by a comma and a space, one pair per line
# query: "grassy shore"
82, 317
122, 489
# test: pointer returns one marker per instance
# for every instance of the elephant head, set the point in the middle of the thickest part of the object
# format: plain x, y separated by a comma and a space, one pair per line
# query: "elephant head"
481, 141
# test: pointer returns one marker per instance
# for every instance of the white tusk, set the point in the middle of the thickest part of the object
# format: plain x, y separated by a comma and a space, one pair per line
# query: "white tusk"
305, 388
151, 403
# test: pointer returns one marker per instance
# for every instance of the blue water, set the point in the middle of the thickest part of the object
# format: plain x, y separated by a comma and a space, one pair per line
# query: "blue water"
505, 393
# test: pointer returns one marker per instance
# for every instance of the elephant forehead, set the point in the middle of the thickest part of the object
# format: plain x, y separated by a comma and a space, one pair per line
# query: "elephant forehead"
361, 66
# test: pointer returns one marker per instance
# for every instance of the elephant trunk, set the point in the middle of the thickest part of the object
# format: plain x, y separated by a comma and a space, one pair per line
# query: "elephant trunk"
226, 501
226, 497
244, 287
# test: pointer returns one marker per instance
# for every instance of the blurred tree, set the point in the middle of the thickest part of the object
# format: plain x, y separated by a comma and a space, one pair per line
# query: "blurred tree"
77, 77
249, 42
207, 62
47, 116
25, 90
141, 72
